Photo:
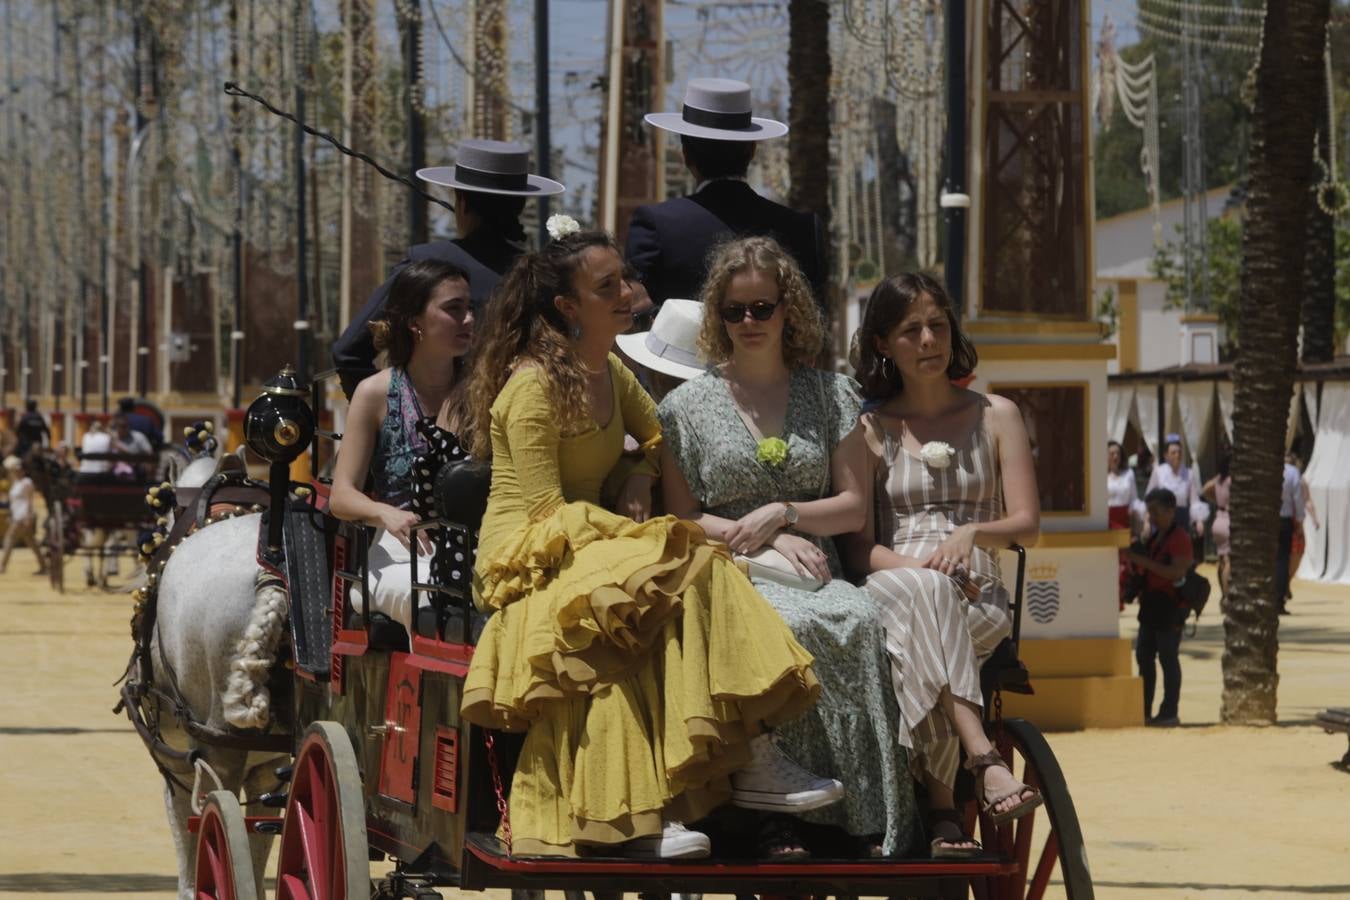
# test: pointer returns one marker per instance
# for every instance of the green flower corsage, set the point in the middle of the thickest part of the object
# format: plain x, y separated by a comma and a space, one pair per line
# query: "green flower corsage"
772, 452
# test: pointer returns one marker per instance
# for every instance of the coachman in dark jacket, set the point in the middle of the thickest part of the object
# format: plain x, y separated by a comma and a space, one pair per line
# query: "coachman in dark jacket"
669, 243
491, 184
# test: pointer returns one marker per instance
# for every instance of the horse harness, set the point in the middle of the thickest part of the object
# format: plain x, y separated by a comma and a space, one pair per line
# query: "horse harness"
227, 494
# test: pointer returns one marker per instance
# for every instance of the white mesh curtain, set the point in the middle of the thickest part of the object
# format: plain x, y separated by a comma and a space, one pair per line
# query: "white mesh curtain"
1119, 411
1225, 391
1310, 404
1327, 558
1195, 403
1291, 426
1146, 416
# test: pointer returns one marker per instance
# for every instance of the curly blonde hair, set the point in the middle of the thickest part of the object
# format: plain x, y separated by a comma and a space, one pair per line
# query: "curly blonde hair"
523, 325
803, 329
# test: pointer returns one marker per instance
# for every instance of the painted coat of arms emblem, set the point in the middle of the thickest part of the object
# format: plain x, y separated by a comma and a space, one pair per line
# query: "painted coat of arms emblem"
1043, 593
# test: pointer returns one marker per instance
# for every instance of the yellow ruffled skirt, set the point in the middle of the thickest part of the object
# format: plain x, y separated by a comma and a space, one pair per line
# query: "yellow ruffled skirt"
640, 660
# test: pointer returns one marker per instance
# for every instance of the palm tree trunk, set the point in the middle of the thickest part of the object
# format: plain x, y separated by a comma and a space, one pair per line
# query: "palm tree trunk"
1284, 122
809, 106
1319, 262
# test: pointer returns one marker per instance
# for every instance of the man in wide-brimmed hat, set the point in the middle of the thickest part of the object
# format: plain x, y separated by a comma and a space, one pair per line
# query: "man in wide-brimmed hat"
491, 181
668, 242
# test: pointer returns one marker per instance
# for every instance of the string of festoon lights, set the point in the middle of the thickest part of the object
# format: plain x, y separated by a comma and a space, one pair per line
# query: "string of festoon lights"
1243, 32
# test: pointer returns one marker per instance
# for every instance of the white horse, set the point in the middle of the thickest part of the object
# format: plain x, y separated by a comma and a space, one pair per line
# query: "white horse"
216, 636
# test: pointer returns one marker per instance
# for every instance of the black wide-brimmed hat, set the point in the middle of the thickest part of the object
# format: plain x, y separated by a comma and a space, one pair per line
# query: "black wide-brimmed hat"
717, 109
492, 167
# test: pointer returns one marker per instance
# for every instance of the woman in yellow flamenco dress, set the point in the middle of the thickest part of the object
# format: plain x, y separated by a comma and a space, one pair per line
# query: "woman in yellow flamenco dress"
642, 664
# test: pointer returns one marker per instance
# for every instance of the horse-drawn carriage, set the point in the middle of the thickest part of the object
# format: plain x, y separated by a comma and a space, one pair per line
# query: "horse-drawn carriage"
101, 514
376, 763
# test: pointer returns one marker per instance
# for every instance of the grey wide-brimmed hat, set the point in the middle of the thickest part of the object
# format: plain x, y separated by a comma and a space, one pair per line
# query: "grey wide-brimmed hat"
717, 109
671, 346
492, 167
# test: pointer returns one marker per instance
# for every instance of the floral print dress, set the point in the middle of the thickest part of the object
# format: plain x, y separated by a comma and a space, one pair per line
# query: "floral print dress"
850, 733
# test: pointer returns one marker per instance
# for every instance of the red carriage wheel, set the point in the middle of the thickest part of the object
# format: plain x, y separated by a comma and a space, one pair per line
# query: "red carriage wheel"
324, 855
1043, 839
224, 865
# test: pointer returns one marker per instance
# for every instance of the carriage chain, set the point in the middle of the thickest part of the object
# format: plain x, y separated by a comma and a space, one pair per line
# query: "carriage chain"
498, 789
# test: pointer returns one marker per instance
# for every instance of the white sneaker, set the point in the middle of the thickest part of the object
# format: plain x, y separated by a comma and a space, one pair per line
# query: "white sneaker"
674, 842
774, 782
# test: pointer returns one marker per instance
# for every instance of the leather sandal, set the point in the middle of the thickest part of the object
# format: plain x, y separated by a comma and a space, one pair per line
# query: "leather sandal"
946, 827
777, 840
976, 766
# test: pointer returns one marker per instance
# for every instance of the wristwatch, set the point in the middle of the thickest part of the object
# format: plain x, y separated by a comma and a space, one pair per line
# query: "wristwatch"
790, 514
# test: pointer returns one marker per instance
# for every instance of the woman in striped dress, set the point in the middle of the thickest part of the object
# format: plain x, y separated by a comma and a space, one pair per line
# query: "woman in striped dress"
954, 481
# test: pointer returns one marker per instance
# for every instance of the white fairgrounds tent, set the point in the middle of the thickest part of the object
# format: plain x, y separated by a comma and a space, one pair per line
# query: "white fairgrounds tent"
1327, 557
1197, 401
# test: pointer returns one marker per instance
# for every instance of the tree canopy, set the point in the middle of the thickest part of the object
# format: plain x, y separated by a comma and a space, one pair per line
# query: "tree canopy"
1225, 129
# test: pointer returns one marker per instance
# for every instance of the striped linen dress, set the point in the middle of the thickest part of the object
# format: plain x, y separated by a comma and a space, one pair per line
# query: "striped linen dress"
935, 637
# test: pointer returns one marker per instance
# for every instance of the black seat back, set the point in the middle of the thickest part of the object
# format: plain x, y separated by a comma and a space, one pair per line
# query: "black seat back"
461, 492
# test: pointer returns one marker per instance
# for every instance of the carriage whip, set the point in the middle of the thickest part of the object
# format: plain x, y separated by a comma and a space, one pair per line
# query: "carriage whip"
235, 90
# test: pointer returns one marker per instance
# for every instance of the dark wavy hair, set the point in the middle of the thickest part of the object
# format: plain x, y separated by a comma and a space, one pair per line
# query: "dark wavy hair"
523, 324
886, 307
409, 294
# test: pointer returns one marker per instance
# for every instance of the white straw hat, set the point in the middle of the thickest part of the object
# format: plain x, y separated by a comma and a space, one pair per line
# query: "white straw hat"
492, 167
671, 347
717, 109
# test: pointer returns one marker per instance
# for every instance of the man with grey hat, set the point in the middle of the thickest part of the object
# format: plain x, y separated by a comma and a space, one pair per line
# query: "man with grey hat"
668, 243
491, 181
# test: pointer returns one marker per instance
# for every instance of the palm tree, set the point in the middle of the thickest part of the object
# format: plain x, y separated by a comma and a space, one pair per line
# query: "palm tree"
809, 105
809, 115
1319, 262
1284, 121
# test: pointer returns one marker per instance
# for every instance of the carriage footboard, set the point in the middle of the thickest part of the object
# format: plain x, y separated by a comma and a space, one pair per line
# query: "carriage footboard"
487, 865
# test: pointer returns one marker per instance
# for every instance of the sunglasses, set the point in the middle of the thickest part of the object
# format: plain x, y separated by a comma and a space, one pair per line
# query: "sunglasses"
760, 311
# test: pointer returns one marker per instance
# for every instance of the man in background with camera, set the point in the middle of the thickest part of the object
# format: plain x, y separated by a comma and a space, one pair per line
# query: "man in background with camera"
1159, 566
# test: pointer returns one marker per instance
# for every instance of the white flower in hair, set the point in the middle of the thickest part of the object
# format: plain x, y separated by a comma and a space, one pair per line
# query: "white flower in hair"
937, 454
561, 226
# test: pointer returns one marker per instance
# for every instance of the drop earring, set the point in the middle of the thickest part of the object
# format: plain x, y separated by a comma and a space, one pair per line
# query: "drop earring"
576, 331
887, 367
417, 333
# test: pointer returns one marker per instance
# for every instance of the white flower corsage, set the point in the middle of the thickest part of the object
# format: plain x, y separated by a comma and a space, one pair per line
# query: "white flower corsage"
937, 454
561, 226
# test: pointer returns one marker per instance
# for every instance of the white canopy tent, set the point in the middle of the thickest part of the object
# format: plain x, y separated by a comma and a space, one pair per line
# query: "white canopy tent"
1327, 557
1198, 400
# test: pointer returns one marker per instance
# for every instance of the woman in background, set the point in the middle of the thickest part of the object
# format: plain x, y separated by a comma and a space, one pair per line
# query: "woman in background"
1216, 491
1124, 510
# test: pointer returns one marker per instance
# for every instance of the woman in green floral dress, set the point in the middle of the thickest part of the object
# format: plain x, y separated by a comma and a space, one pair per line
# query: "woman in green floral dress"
751, 457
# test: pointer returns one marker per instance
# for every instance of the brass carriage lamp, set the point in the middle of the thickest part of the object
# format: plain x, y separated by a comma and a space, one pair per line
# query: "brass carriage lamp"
278, 426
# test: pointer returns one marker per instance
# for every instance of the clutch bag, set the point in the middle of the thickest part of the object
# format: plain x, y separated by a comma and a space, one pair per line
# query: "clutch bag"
770, 565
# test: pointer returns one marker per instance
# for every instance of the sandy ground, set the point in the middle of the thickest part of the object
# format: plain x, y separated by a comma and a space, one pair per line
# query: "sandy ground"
1199, 811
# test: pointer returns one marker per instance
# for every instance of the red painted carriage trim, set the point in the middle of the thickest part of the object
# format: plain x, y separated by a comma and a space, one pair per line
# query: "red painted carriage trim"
251, 823
712, 868
350, 642
441, 656
430, 664
402, 736
445, 770
446, 650
391, 846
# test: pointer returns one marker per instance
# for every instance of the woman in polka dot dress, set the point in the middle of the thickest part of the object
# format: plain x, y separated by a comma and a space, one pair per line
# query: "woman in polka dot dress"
401, 429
